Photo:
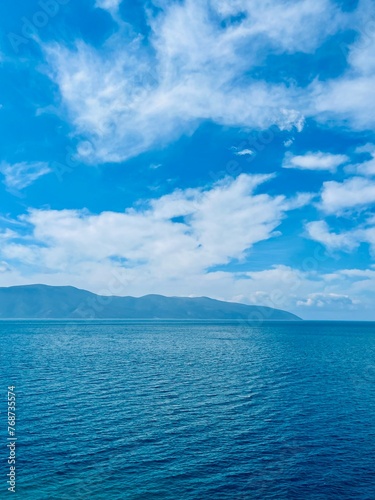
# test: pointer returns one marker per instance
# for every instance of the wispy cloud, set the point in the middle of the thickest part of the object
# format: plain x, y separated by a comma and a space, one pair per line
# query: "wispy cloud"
17, 176
111, 5
126, 97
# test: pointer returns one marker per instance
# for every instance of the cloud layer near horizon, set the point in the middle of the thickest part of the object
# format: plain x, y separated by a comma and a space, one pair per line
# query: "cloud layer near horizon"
176, 245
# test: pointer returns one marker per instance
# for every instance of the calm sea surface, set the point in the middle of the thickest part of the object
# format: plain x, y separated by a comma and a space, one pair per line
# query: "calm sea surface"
183, 411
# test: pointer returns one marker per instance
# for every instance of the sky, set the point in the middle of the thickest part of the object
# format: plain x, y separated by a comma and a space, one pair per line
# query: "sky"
193, 148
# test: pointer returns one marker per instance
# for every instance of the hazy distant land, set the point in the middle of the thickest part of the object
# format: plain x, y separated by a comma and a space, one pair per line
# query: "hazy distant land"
66, 302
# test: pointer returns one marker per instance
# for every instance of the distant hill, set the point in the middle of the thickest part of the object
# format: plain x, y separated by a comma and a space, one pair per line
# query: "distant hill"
42, 301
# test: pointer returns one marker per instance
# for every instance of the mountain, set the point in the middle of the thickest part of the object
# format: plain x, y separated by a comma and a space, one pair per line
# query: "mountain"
42, 301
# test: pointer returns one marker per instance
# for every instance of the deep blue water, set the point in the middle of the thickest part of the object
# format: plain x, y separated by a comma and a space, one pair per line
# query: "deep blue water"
183, 411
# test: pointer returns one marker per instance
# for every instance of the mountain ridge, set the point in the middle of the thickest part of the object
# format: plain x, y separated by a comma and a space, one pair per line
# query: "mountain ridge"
67, 302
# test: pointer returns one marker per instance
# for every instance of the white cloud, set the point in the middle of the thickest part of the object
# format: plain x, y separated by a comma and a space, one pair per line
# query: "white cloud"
346, 240
352, 273
366, 148
350, 98
328, 300
20, 175
244, 152
358, 282
181, 234
347, 99
355, 193
7, 234
320, 231
172, 244
367, 167
281, 287
4, 267
282, 22
315, 161
111, 5
125, 98
220, 224
349, 294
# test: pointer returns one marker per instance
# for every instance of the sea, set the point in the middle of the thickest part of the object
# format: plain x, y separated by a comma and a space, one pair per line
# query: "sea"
184, 410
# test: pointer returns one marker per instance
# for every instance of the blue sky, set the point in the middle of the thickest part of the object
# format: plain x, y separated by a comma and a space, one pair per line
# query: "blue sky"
200, 147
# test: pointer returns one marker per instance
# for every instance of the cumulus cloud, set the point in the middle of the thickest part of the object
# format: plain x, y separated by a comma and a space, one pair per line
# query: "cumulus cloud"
315, 161
367, 167
183, 233
125, 98
355, 193
347, 99
328, 300
320, 231
350, 98
346, 240
17, 176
